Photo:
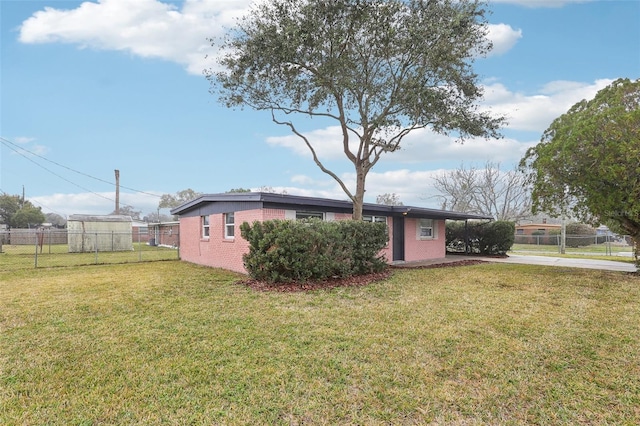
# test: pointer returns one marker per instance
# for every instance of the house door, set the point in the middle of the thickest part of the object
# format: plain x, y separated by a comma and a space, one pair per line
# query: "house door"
398, 238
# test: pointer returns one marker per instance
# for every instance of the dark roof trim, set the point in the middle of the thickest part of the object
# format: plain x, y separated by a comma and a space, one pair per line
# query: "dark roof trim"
324, 203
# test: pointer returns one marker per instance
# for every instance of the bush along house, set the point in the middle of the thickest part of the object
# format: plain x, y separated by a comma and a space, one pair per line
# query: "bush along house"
210, 234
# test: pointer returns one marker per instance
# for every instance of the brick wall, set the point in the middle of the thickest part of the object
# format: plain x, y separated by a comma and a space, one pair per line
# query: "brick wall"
416, 249
218, 252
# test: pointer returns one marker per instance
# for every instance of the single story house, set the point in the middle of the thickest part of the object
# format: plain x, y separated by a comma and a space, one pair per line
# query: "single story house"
210, 235
166, 234
537, 229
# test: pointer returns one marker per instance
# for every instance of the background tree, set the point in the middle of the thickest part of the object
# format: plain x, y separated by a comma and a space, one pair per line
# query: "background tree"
169, 201
389, 199
28, 217
588, 161
56, 220
129, 211
156, 217
380, 69
18, 213
237, 190
9, 205
488, 191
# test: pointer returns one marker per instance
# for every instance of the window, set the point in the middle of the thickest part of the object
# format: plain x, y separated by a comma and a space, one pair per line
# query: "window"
520, 231
204, 220
229, 230
374, 219
425, 229
309, 215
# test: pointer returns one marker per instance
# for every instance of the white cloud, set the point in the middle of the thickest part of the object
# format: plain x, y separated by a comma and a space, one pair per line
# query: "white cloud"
21, 140
536, 111
146, 28
154, 29
418, 147
94, 203
413, 187
503, 38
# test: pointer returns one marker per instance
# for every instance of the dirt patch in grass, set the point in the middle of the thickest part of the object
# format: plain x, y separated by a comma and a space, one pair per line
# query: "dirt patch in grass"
355, 281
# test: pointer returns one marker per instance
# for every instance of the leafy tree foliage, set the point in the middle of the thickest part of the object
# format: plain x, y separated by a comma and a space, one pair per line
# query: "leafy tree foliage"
487, 191
129, 211
169, 201
28, 217
18, 213
56, 220
379, 69
389, 199
9, 205
588, 161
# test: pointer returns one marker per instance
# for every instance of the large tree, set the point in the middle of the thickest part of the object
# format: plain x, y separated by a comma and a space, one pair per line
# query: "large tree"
588, 161
170, 201
16, 212
489, 191
380, 69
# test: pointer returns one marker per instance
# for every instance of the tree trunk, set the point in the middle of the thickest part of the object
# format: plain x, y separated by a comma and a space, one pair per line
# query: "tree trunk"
358, 198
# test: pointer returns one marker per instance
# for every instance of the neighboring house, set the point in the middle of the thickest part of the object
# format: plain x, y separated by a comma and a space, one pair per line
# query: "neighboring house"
165, 234
537, 228
139, 231
210, 235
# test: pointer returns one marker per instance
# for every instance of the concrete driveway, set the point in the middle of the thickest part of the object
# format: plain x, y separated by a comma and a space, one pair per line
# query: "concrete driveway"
607, 265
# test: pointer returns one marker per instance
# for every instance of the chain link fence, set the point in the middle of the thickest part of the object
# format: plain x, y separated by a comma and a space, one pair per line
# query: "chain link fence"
44, 248
606, 245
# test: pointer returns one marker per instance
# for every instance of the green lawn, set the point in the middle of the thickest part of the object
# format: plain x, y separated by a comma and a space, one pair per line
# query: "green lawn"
175, 343
14, 257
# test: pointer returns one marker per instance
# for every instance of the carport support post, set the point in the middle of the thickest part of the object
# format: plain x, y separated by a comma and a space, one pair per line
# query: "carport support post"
467, 249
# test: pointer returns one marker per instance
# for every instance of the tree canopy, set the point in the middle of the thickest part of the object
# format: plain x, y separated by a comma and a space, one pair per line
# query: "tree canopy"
380, 69
588, 161
18, 213
170, 201
489, 191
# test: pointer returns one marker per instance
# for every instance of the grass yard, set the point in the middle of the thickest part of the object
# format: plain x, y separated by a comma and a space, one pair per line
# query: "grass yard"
596, 249
15, 257
174, 343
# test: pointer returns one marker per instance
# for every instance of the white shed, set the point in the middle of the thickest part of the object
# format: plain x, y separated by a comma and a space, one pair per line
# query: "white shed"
90, 233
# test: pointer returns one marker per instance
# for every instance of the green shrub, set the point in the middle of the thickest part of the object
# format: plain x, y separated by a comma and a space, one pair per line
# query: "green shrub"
495, 237
298, 251
491, 238
579, 235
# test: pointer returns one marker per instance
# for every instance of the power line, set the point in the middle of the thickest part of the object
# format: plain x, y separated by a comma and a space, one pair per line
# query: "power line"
7, 142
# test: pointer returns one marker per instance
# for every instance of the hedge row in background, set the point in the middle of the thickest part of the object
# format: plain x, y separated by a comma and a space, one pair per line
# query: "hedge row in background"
493, 238
296, 251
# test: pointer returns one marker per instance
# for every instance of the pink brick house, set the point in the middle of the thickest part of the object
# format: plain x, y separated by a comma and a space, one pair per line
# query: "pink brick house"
210, 235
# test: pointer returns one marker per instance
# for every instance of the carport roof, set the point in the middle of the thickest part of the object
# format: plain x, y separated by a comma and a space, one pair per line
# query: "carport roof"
291, 201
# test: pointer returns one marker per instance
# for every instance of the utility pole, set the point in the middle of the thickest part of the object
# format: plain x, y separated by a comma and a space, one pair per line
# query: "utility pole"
117, 191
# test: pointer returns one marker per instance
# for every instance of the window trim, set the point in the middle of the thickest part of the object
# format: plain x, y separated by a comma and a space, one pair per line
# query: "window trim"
422, 225
205, 227
229, 226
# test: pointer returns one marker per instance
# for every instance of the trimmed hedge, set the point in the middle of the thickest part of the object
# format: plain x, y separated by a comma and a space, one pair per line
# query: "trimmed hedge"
490, 238
282, 251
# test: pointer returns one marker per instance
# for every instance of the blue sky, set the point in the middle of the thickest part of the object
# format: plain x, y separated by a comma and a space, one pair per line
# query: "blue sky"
90, 87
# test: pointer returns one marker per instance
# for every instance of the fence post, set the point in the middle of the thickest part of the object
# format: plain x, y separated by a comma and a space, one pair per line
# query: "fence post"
139, 247
96, 244
35, 258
